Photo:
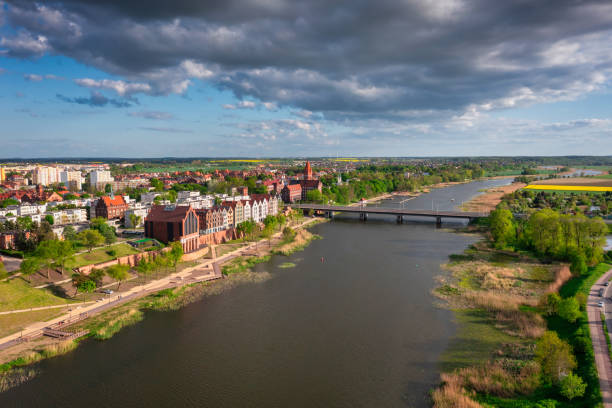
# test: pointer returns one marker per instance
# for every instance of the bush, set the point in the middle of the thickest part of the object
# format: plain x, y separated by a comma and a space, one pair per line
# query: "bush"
579, 265
572, 386
569, 309
112, 252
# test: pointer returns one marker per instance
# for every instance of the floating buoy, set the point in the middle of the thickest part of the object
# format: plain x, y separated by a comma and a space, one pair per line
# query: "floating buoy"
322, 259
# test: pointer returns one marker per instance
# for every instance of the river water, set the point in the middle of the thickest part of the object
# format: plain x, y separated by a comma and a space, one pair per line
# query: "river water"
359, 329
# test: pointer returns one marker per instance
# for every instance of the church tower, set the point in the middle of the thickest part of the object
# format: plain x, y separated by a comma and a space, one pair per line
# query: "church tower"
308, 171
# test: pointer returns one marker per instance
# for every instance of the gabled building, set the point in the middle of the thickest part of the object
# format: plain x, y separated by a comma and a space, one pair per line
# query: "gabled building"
110, 207
291, 193
169, 223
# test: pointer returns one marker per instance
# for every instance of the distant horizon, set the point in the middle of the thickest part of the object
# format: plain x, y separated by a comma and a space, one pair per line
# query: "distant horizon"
186, 158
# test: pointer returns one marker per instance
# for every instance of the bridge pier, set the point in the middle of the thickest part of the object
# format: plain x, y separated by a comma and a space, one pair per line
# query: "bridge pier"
329, 214
438, 222
400, 219
363, 216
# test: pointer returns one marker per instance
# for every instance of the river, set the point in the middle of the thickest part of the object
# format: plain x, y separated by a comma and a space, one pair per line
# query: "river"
357, 330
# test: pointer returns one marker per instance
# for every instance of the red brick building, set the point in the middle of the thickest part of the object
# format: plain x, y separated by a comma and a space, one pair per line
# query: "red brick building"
291, 193
110, 207
169, 223
308, 185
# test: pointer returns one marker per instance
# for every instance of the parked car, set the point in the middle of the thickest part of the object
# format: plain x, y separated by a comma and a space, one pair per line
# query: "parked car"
600, 304
107, 291
607, 284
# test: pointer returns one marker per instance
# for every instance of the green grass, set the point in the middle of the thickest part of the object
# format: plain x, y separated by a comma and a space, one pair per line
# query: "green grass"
14, 322
476, 340
537, 190
242, 264
100, 255
17, 294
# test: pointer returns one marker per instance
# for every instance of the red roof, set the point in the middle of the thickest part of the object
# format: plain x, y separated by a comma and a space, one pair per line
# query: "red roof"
294, 187
113, 202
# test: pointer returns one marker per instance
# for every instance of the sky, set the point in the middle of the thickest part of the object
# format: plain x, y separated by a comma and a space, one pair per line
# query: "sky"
279, 78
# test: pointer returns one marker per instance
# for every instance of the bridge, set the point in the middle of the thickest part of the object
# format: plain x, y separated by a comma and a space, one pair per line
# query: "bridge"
400, 213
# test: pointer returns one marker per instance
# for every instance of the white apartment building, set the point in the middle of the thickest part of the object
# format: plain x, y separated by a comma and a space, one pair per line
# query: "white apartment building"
46, 175
71, 179
71, 216
100, 178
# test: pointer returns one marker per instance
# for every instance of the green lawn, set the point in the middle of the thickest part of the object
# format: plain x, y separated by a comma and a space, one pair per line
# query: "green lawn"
11, 323
100, 255
18, 294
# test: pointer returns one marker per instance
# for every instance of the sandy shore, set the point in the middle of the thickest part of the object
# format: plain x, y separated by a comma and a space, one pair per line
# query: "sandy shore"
490, 199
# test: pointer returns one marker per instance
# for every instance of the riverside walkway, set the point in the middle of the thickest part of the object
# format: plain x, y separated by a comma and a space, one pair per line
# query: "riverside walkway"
400, 213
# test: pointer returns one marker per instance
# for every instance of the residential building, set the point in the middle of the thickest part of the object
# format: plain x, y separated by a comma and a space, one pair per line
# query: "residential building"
98, 179
174, 223
110, 207
72, 180
2, 174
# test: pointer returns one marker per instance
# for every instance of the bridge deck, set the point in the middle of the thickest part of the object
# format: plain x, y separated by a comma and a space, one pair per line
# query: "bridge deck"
390, 211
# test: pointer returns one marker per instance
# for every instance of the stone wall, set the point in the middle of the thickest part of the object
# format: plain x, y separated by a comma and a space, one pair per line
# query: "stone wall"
131, 260
218, 237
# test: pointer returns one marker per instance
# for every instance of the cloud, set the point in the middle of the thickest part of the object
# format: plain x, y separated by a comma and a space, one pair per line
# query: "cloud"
33, 77
410, 61
167, 130
241, 105
122, 88
96, 99
24, 44
154, 115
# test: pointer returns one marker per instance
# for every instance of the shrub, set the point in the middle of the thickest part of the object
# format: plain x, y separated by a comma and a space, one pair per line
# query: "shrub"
572, 386
112, 252
569, 309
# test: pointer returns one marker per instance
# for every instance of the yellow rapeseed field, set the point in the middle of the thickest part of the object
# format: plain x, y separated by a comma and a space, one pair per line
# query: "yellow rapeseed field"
568, 188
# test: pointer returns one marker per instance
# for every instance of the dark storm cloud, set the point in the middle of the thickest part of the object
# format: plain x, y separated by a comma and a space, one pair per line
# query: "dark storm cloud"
348, 59
95, 100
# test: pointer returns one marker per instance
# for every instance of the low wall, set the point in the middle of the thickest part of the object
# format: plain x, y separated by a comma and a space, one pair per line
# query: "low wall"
131, 260
218, 237
195, 254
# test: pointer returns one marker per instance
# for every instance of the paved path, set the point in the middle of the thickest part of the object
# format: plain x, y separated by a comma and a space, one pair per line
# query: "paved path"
600, 347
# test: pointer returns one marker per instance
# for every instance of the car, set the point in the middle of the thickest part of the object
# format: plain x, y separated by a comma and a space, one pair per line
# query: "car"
607, 284
600, 304
107, 291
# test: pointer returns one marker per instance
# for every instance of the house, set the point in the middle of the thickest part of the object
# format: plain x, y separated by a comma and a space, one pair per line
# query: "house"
211, 219
291, 193
309, 185
238, 212
169, 223
110, 207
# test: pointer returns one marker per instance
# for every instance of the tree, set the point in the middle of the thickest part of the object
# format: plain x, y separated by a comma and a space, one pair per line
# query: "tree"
29, 266
65, 253
108, 188
134, 219
578, 265
175, 254
144, 268
49, 219
47, 252
502, 227
569, 309
572, 386
554, 356
314, 196
552, 303
267, 233
70, 233
118, 272
86, 286
90, 238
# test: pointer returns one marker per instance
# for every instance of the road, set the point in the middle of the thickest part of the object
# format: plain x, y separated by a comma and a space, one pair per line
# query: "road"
600, 347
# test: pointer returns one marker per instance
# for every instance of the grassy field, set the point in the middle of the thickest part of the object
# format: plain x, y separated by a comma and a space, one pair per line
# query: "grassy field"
17, 294
100, 255
11, 323
537, 190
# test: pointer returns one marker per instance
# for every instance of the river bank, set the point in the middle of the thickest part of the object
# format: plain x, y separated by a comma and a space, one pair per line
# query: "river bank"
15, 361
502, 303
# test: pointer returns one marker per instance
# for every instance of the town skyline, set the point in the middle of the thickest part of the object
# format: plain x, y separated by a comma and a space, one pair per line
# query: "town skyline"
412, 79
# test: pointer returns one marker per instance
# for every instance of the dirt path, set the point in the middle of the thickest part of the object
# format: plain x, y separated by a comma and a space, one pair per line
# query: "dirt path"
600, 347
